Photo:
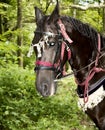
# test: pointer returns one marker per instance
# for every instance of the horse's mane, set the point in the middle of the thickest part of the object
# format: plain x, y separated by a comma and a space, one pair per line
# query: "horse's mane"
85, 30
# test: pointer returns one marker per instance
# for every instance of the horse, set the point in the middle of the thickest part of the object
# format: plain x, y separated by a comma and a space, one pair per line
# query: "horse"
60, 39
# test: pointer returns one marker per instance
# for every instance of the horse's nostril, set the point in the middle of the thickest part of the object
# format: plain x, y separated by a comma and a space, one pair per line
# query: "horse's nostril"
44, 86
44, 89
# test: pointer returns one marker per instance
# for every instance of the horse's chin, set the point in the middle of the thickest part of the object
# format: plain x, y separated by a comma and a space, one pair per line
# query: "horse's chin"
49, 94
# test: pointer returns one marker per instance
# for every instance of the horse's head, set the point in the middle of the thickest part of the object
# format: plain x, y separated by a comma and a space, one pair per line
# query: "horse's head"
47, 43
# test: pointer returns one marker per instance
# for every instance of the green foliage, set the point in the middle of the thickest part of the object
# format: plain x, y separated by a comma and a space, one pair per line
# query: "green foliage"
93, 18
8, 24
16, 90
21, 107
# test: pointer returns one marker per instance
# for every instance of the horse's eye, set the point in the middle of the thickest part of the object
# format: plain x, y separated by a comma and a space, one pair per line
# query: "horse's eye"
51, 43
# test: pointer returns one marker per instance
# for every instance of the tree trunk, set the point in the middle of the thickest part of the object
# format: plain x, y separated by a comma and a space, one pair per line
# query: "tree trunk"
3, 19
74, 10
1, 25
19, 37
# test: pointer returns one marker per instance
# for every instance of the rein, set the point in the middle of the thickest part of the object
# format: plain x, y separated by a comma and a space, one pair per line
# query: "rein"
92, 72
72, 73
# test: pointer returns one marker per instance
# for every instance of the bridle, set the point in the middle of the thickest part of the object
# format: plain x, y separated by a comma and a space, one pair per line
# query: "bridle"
62, 38
44, 65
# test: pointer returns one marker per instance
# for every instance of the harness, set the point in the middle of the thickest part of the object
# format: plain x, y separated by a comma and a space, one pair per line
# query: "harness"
93, 71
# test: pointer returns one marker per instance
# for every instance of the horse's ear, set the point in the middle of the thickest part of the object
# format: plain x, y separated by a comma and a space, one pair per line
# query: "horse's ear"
39, 14
55, 14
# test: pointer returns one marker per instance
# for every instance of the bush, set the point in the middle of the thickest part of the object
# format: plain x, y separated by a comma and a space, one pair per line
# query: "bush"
22, 108
16, 93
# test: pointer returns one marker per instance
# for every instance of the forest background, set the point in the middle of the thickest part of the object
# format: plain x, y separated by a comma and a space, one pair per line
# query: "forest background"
21, 107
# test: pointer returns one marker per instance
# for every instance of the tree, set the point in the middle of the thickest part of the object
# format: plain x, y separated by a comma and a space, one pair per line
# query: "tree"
3, 18
19, 37
16, 28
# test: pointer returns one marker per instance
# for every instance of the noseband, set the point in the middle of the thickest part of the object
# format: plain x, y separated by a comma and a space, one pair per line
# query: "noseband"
42, 65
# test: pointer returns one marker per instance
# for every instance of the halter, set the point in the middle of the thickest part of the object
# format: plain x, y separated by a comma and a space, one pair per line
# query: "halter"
43, 65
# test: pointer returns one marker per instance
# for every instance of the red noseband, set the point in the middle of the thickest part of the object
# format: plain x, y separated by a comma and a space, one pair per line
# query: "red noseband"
43, 63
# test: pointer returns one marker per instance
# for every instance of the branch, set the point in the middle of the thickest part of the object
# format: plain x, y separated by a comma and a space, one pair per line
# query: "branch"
47, 5
86, 7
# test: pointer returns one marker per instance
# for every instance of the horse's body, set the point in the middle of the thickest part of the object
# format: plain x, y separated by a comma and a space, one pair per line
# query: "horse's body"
85, 55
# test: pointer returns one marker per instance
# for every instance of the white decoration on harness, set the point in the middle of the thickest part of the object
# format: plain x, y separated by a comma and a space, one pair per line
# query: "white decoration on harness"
30, 51
50, 34
94, 99
40, 44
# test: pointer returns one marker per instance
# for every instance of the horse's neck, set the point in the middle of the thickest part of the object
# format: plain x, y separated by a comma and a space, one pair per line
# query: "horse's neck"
82, 64
83, 52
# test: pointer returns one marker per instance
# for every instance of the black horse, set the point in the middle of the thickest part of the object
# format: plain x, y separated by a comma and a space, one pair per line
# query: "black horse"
59, 39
